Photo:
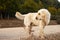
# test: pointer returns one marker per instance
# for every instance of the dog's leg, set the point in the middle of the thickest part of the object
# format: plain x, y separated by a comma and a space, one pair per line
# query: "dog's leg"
41, 32
28, 29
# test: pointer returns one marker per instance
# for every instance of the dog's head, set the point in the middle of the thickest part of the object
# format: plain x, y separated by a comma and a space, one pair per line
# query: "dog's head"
40, 16
45, 15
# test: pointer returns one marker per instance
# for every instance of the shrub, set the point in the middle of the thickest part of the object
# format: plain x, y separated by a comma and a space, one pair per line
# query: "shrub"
58, 16
53, 12
58, 19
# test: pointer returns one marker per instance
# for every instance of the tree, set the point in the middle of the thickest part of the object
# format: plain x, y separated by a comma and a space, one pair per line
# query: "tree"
29, 6
8, 8
53, 12
58, 11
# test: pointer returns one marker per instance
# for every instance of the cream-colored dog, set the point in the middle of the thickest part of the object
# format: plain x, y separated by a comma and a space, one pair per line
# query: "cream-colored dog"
40, 19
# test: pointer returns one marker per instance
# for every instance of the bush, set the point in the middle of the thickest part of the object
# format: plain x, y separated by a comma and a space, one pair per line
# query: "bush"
58, 13
53, 17
58, 19
53, 12
58, 16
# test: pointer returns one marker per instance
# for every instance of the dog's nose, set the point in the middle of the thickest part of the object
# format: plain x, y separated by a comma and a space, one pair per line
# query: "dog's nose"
36, 18
40, 19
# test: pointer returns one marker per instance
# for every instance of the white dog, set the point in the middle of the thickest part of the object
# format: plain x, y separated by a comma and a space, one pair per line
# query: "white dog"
40, 19
44, 20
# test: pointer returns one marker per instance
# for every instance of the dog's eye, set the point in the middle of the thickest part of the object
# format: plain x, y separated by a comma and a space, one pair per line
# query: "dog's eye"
38, 13
36, 18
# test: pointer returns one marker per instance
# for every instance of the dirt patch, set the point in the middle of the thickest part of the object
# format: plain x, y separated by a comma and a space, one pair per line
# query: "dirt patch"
11, 23
17, 23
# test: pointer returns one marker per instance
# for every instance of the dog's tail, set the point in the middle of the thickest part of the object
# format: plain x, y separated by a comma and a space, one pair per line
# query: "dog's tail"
19, 16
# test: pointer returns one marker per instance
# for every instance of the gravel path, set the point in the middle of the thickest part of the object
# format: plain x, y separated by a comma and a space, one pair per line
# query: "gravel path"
19, 32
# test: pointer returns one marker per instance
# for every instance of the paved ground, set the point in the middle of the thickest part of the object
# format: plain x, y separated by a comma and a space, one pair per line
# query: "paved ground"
18, 33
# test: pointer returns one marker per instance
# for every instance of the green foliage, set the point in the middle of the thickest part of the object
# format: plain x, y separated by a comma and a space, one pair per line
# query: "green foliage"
53, 10
29, 6
58, 11
8, 8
